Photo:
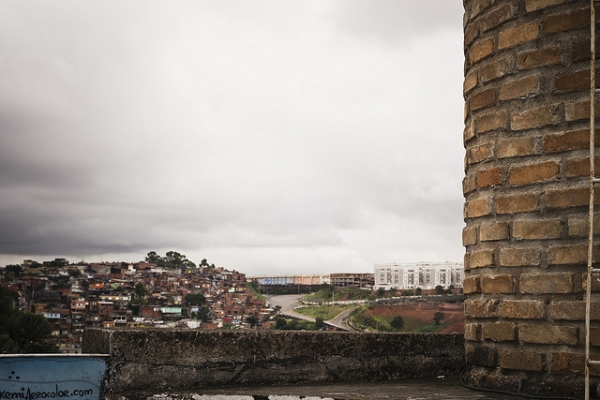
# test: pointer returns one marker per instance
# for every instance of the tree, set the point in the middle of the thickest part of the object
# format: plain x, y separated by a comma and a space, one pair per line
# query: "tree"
438, 317
397, 323
13, 269
319, 323
418, 291
74, 273
8, 299
153, 258
22, 332
203, 314
195, 299
59, 262
439, 289
204, 263
280, 323
380, 292
175, 260
252, 320
140, 290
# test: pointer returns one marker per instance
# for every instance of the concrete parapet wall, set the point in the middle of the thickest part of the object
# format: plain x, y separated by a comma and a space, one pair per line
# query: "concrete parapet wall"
151, 359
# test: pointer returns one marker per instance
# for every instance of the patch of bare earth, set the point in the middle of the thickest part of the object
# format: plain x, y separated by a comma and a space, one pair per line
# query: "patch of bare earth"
454, 316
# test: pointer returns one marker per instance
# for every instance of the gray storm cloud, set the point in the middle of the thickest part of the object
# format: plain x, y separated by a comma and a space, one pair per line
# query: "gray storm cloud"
266, 136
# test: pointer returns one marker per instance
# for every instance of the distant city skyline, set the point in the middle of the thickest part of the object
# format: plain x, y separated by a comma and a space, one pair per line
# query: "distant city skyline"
263, 136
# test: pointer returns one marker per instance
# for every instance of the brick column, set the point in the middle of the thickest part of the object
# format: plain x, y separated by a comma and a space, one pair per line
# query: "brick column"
526, 136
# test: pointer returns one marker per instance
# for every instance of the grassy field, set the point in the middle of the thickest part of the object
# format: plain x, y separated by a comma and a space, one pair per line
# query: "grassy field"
325, 312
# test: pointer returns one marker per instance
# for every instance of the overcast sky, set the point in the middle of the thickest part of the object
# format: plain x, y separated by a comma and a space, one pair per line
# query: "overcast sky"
268, 137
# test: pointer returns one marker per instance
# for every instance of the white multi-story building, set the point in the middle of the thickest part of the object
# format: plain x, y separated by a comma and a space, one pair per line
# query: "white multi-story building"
423, 275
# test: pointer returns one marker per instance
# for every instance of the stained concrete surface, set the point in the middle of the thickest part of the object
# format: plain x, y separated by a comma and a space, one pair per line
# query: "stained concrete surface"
430, 389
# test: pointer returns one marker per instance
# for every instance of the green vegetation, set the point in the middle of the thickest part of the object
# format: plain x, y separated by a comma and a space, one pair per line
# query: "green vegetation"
195, 299
397, 323
22, 332
290, 324
172, 260
326, 293
361, 320
324, 312
252, 320
253, 286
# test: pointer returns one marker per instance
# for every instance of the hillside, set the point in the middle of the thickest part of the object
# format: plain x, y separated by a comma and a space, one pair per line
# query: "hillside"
418, 317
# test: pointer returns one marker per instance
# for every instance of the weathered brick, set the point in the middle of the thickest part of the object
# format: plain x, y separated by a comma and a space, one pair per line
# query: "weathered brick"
572, 140
497, 284
496, 17
581, 50
567, 21
470, 81
522, 309
520, 257
533, 173
595, 282
499, 331
481, 258
573, 310
518, 35
534, 5
515, 147
537, 229
520, 88
516, 203
567, 254
468, 133
471, 32
548, 334
491, 122
580, 110
478, 207
535, 118
570, 81
581, 166
595, 337
472, 331
538, 58
567, 198
493, 231
479, 153
469, 183
571, 363
482, 99
480, 50
476, 7
546, 282
480, 355
480, 308
495, 69
578, 225
469, 235
520, 360
471, 285
489, 177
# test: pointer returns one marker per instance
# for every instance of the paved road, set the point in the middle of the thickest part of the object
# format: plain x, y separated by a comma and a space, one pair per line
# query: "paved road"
289, 301
286, 301
339, 320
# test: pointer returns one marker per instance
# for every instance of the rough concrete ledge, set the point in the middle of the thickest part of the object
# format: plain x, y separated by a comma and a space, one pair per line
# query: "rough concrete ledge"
156, 359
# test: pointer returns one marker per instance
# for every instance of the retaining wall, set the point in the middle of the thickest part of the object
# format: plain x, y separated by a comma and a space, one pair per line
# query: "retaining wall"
158, 359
